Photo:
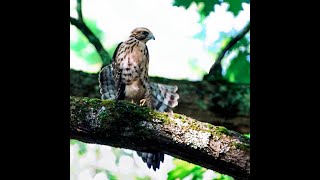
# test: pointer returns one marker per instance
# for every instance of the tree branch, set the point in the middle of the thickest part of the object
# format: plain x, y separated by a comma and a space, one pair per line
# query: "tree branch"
80, 24
216, 68
219, 103
126, 125
79, 10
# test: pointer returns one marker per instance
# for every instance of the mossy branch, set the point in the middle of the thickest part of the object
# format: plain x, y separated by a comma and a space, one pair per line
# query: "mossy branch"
126, 125
217, 102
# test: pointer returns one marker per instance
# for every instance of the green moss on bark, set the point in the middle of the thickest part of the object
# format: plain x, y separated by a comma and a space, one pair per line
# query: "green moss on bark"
242, 146
222, 129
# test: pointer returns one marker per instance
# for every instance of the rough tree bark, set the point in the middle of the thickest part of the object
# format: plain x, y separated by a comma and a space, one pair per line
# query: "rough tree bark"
217, 102
126, 125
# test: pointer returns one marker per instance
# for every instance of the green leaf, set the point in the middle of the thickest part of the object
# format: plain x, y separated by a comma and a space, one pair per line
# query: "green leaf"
247, 135
222, 177
111, 175
235, 6
208, 6
198, 174
239, 69
184, 169
184, 3
205, 6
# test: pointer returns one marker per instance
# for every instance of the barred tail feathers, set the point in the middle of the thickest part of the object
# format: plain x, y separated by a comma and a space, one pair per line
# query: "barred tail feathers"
106, 83
152, 159
164, 97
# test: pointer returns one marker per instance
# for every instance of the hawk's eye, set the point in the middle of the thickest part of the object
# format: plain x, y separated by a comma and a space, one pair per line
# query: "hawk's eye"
145, 33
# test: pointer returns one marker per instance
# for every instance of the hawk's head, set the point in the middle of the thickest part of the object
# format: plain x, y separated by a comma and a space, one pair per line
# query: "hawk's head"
142, 34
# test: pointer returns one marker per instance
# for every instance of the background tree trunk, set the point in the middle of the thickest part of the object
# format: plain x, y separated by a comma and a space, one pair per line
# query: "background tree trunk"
215, 101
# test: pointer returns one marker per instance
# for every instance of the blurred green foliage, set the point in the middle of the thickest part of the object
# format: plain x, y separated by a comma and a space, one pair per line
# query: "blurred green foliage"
235, 6
241, 44
81, 45
184, 169
82, 146
239, 69
223, 177
247, 135
143, 178
206, 6
111, 176
181, 170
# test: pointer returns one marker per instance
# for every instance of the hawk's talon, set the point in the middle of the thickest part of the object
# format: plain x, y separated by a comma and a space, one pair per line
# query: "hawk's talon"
142, 102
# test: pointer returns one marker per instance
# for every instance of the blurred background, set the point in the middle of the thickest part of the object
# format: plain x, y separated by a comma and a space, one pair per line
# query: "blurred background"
190, 35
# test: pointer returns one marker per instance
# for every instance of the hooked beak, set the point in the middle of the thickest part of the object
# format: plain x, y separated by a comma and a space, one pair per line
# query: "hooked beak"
151, 37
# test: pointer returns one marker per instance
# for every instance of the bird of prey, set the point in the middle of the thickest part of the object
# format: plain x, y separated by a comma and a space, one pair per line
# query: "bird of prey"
127, 79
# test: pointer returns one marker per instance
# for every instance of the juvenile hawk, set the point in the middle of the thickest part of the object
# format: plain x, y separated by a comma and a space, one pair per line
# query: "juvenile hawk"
127, 79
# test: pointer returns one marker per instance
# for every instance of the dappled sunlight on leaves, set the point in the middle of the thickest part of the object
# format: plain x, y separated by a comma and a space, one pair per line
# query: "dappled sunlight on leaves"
174, 47
239, 69
185, 170
113, 162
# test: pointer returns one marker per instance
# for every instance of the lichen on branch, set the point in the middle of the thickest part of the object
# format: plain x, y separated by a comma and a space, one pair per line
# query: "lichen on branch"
126, 125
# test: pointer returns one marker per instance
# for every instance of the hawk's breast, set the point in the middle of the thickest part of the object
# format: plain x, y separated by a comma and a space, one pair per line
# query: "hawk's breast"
132, 62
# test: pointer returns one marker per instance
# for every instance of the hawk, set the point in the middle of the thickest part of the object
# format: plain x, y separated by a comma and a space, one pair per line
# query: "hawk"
127, 79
